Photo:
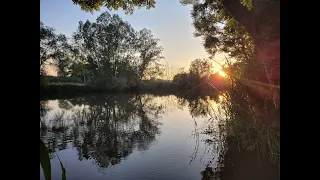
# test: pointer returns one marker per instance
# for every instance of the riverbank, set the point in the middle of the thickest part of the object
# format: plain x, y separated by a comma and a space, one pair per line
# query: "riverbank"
65, 90
70, 90
53, 91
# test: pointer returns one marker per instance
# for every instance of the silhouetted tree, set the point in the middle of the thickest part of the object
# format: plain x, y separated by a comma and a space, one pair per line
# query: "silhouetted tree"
127, 5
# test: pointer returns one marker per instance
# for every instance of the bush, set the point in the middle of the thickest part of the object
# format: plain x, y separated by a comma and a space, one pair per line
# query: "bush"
117, 83
109, 83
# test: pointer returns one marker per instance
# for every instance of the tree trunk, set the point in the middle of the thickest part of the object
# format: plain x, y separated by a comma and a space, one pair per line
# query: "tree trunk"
269, 55
263, 24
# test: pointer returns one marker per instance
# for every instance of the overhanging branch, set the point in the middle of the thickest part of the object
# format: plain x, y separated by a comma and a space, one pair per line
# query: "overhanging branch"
241, 14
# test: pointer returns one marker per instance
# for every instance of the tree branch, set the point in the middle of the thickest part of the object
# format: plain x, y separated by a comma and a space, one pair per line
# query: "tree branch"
241, 14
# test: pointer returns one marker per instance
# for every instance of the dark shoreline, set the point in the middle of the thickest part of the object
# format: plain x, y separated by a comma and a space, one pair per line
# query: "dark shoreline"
51, 92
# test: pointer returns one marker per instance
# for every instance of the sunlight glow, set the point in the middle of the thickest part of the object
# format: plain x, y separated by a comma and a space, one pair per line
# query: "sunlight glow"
221, 98
223, 74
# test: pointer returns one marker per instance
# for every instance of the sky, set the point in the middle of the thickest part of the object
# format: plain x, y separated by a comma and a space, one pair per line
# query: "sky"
169, 21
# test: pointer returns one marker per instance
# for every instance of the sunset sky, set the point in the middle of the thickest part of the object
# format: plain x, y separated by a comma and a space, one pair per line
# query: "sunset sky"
169, 21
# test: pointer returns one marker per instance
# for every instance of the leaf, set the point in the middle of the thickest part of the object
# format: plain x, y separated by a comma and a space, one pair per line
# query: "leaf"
247, 3
45, 161
63, 170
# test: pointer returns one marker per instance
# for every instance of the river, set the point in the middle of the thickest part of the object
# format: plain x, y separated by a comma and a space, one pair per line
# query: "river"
130, 136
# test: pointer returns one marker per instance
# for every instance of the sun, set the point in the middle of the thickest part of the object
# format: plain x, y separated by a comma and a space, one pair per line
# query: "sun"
223, 74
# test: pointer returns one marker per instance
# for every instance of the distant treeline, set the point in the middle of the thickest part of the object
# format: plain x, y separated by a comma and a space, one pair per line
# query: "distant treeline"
109, 55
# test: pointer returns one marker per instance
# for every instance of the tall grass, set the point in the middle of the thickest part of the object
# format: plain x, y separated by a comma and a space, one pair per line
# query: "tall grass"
253, 126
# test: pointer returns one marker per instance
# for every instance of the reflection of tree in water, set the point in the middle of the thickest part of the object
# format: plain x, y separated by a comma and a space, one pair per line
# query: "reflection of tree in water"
43, 111
43, 108
56, 133
200, 105
108, 128
64, 104
252, 138
205, 106
237, 163
245, 136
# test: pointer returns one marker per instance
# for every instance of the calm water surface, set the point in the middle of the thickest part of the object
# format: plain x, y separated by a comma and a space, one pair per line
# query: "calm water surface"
142, 137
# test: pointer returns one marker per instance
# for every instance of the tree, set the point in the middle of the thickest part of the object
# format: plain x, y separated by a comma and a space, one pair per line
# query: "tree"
113, 53
199, 71
149, 51
126, 5
259, 20
154, 72
79, 69
200, 67
181, 79
55, 47
106, 46
47, 43
62, 55
247, 30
